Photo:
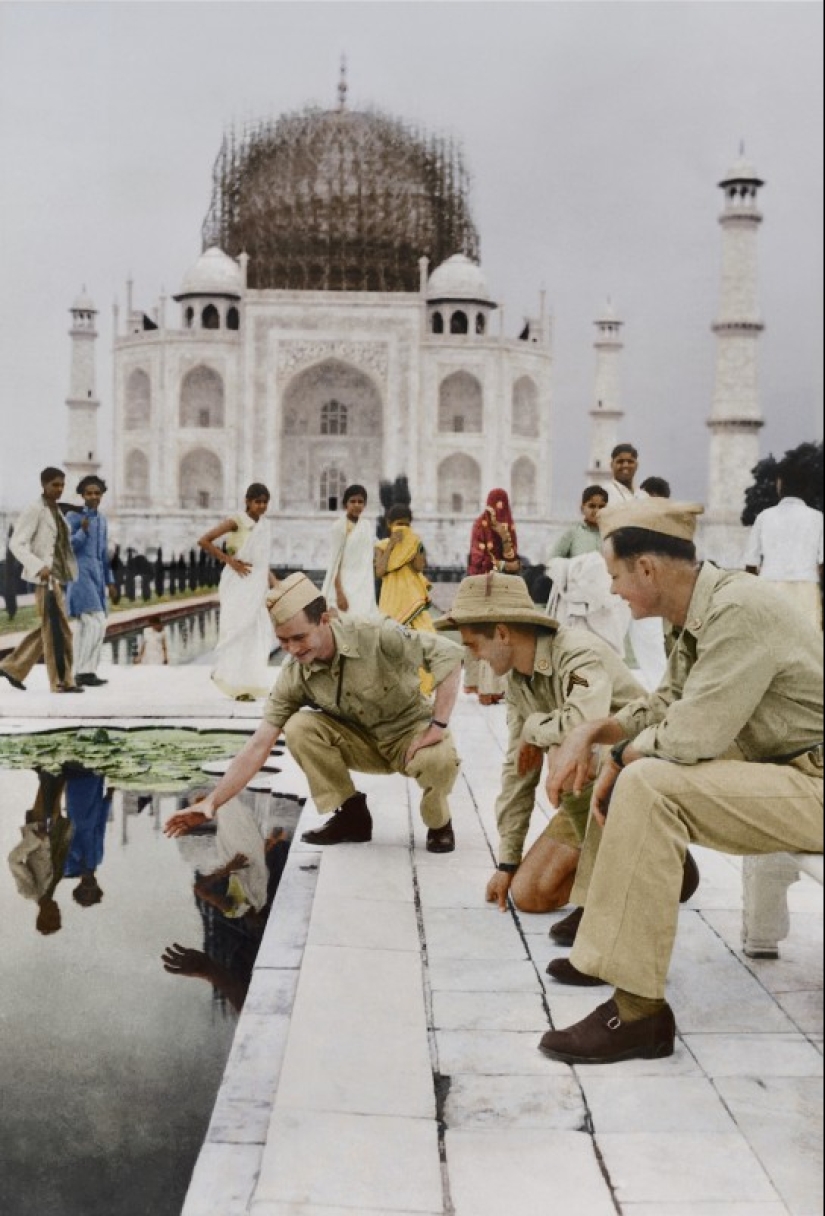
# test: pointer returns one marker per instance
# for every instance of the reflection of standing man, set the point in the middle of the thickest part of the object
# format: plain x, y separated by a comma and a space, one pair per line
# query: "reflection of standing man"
42, 545
646, 636
87, 804
86, 596
37, 861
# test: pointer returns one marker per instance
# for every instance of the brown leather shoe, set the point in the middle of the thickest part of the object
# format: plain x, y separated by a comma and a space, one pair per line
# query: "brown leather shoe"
350, 824
690, 878
562, 969
564, 931
441, 840
603, 1038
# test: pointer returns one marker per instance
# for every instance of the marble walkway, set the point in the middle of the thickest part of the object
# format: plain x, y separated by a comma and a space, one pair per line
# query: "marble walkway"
385, 1062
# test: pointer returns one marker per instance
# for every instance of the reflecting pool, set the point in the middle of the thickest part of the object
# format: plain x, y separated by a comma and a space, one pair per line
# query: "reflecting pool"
126, 958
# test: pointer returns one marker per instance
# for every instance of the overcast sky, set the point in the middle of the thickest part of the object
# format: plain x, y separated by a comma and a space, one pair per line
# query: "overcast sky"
596, 134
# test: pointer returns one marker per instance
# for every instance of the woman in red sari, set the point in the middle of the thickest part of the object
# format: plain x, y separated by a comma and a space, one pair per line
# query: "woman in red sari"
493, 546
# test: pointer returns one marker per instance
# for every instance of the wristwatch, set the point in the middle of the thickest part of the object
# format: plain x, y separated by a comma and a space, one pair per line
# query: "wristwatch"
617, 752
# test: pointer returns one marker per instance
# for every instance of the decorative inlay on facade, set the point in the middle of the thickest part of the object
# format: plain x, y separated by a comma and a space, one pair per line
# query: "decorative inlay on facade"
295, 355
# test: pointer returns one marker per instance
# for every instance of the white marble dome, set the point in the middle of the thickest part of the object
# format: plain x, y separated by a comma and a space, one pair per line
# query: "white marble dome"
741, 171
459, 278
214, 274
83, 302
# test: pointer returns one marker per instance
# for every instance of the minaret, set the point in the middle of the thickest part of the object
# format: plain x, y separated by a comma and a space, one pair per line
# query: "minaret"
607, 412
82, 452
735, 418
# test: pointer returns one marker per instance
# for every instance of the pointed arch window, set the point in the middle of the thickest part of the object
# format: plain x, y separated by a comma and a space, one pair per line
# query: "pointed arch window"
331, 489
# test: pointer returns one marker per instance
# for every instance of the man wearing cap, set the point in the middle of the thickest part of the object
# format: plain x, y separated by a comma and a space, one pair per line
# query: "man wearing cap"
361, 677
556, 678
726, 753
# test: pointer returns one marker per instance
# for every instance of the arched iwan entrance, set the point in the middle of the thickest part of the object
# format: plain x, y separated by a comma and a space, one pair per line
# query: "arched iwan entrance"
332, 419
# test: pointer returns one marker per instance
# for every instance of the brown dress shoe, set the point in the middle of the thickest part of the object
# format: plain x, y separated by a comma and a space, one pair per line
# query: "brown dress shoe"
564, 931
441, 840
350, 824
603, 1038
562, 969
690, 878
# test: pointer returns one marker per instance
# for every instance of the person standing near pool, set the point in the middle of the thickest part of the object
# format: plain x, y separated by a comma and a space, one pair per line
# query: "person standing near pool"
245, 636
349, 584
86, 595
42, 545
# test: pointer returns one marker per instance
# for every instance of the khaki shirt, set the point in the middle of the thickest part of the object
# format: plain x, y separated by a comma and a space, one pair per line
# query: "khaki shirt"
373, 681
576, 678
744, 679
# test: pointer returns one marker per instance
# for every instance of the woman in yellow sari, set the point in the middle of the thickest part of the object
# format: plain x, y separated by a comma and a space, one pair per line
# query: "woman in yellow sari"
405, 592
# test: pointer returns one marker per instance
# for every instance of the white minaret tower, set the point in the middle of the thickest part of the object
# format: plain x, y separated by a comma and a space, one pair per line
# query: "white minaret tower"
82, 455
607, 412
735, 418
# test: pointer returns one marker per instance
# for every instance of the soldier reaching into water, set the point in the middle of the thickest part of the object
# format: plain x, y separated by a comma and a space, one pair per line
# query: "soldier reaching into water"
361, 679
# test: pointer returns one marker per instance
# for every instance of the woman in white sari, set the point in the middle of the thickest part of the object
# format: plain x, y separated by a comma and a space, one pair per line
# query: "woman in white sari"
349, 584
245, 636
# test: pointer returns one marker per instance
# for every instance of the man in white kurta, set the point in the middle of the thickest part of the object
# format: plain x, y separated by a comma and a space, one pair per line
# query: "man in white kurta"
785, 546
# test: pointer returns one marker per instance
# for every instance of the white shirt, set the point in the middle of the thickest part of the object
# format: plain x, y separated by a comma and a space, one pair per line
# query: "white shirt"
617, 493
785, 543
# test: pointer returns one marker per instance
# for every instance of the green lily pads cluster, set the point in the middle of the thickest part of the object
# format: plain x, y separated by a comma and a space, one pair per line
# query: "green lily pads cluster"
154, 759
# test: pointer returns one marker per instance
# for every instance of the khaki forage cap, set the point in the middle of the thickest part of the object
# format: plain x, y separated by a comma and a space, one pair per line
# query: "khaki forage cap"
655, 514
492, 599
290, 597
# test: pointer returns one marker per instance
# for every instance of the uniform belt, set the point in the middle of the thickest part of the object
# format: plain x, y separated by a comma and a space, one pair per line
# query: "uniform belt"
814, 750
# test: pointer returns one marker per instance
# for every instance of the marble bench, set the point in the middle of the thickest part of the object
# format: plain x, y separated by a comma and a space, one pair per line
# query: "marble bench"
765, 882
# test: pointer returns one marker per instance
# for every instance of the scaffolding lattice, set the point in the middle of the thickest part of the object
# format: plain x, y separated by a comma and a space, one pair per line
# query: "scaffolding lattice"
339, 201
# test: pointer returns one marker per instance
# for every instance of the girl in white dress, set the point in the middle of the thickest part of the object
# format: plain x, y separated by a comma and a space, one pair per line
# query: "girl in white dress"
349, 584
245, 635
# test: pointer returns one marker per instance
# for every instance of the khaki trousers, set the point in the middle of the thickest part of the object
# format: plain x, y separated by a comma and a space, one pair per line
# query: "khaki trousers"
38, 644
629, 881
327, 749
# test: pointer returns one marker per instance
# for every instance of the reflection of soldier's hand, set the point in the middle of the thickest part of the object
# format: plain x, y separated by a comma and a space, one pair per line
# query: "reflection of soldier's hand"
180, 960
184, 821
530, 757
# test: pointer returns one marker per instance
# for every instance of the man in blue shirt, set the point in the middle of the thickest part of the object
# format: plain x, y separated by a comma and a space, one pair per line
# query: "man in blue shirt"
86, 596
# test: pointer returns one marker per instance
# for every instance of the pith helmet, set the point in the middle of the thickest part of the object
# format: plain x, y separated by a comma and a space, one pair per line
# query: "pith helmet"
492, 599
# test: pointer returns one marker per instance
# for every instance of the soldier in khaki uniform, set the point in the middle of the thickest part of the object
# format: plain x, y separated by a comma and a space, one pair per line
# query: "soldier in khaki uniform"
556, 679
726, 753
361, 677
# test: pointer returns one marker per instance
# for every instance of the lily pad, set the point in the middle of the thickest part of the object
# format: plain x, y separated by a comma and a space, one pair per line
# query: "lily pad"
155, 759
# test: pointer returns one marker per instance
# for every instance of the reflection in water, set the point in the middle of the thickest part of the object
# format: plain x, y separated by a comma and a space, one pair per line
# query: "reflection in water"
110, 1065
234, 901
189, 638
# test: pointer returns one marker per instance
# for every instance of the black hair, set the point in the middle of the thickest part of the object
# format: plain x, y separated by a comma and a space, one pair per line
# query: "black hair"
315, 609
91, 480
656, 487
794, 481
256, 490
592, 491
624, 447
352, 492
399, 511
49, 473
633, 542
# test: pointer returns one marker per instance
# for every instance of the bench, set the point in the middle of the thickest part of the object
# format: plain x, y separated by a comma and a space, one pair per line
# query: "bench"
765, 882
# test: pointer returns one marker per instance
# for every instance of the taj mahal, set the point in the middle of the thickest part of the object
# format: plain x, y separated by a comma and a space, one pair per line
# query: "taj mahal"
338, 327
